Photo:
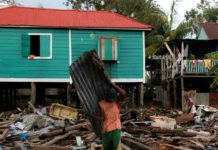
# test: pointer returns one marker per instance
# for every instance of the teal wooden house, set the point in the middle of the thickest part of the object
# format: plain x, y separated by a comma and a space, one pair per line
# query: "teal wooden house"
38, 45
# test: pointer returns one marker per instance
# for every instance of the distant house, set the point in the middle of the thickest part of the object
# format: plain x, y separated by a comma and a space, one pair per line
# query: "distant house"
38, 45
208, 31
184, 64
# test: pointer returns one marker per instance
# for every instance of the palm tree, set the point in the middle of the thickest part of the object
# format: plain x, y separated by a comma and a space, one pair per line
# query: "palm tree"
164, 30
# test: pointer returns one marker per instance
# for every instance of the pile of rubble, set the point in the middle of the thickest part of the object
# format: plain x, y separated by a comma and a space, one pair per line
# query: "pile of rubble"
61, 128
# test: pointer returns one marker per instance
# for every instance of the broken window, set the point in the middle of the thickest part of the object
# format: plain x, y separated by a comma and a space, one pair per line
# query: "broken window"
38, 45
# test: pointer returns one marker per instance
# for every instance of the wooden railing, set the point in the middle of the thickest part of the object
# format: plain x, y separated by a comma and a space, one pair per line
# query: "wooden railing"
190, 67
198, 66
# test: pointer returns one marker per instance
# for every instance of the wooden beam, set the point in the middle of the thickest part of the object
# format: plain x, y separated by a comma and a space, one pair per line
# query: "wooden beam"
59, 138
170, 51
135, 144
61, 131
51, 148
182, 61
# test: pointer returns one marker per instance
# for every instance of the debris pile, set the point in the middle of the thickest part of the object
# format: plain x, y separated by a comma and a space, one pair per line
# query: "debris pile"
62, 127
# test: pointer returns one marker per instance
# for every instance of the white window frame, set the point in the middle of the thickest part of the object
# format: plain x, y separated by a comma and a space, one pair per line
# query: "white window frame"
50, 35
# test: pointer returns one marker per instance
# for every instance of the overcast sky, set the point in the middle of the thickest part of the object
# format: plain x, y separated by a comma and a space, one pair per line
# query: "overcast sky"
165, 4
181, 7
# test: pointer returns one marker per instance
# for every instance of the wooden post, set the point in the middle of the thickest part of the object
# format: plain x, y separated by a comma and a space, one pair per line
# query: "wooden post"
162, 69
33, 93
182, 61
141, 94
69, 86
40, 94
133, 96
182, 92
175, 91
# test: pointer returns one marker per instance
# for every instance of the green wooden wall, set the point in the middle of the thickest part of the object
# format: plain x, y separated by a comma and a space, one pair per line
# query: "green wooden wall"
13, 65
202, 35
130, 61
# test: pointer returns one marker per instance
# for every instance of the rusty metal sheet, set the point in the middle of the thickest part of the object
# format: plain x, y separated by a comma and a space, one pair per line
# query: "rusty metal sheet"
213, 99
91, 82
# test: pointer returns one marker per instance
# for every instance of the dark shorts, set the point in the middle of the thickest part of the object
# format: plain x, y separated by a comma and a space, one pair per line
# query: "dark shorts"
111, 140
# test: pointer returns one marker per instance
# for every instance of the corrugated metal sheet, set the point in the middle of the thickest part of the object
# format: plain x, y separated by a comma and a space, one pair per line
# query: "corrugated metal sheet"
91, 83
24, 16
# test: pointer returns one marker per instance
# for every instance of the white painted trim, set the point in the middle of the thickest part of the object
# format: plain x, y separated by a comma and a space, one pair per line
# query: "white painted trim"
127, 80
70, 48
99, 48
49, 34
70, 53
34, 80
66, 80
95, 28
116, 50
143, 46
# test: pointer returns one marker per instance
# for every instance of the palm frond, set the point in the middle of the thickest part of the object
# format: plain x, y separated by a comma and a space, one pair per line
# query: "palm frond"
183, 29
213, 70
150, 50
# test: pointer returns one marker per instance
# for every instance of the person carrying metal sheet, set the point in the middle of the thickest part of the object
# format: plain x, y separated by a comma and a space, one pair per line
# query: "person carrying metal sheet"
110, 113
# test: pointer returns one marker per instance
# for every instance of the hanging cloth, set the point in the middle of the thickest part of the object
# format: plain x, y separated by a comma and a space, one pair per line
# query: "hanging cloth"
195, 62
207, 63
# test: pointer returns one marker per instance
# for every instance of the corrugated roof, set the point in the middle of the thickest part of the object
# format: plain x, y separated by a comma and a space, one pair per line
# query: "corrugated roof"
91, 83
211, 30
26, 16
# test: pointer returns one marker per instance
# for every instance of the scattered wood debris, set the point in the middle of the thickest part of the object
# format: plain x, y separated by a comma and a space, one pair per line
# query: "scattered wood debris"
64, 128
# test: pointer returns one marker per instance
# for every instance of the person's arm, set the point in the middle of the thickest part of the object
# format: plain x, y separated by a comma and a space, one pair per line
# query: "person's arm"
120, 90
122, 94
90, 115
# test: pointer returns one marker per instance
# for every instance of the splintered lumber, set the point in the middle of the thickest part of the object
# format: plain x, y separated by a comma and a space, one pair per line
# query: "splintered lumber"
135, 144
51, 148
127, 121
19, 145
175, 132
94, 146
58, 138
125, 147
32, 106
4, 134
5, 124
169, 147
61, 131
129, 111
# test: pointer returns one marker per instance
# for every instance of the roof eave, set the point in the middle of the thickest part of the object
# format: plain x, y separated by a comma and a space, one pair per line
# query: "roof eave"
62, 27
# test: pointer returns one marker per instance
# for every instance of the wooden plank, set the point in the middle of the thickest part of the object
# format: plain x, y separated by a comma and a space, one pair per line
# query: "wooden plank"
51, 148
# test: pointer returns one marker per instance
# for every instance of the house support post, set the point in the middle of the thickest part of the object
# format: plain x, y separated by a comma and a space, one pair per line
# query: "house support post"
175, 94
69, 86
40, 94
141, 94
182, 61
33, 93
182, 92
